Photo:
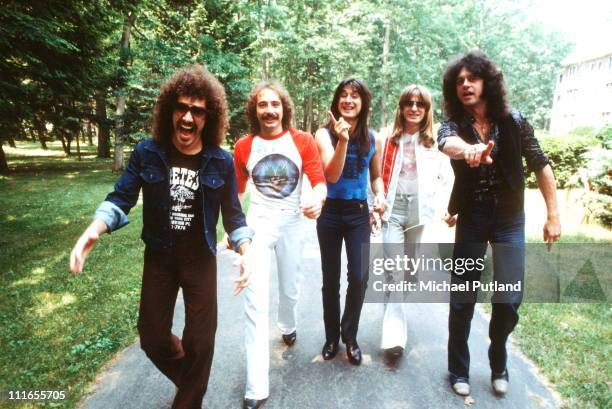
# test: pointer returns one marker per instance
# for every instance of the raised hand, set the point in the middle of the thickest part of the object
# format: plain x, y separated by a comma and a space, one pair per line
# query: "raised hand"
478, 154
341, 127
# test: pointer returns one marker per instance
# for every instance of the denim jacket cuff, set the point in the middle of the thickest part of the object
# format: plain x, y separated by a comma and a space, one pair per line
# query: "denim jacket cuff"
111, 215
240, 235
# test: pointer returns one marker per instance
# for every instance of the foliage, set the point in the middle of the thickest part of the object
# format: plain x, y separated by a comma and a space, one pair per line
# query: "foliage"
598, 169
605, 136
303, 45
169, 35
61, 55
564, 153
583, 158
55, 56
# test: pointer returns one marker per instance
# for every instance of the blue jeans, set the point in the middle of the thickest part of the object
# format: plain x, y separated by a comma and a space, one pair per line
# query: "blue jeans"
346, 220
488, 221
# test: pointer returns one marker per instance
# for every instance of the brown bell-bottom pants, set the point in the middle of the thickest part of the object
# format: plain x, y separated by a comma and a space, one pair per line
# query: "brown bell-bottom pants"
185, 362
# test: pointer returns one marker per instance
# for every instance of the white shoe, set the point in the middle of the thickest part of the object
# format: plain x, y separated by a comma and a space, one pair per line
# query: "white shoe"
500, 383
461, 388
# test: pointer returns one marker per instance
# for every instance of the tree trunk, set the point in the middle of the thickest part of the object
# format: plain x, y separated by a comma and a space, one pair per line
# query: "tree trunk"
308, 127
30, 135
82, 132
118, 154
385, 84
11, 141
89, 134
4, 169
119, 130
263, 26
103, 128
78, 145
23, 136
41, 130
65, 146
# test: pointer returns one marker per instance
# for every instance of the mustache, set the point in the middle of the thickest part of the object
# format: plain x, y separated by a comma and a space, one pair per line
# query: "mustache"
269, 115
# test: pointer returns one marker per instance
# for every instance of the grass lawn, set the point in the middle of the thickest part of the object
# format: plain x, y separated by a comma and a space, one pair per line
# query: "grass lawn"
57, 330
571, 344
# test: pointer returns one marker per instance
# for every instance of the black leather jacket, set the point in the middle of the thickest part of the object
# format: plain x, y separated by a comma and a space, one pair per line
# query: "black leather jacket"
516, 141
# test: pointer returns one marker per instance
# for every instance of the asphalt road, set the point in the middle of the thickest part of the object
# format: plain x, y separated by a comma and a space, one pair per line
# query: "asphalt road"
300, 378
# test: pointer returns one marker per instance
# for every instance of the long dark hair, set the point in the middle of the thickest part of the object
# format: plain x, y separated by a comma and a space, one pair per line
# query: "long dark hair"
494, 90
197, 82
251, 105
360, 132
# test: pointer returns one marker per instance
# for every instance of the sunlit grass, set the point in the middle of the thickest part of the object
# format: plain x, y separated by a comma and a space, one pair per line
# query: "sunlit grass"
57, 329
571, 343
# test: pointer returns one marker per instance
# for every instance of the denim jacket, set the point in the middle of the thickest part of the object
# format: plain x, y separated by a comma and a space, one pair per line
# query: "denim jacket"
148, 169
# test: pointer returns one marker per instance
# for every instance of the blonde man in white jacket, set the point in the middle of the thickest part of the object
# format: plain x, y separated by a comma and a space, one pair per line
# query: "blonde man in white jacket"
416, 178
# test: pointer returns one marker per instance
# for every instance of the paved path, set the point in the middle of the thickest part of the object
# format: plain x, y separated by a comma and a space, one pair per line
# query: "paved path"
299, 378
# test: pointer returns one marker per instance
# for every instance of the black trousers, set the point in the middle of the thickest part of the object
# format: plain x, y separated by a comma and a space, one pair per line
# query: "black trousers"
343, 220
185, 362
488, 222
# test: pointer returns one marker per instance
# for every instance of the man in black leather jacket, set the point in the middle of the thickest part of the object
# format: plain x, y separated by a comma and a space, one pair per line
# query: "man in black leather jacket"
486, 141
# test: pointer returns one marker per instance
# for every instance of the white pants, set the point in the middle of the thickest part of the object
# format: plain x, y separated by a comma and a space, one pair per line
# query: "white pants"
402, 227
279, 233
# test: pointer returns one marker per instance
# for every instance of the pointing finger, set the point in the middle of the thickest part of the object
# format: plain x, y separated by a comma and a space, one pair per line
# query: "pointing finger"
488, 149
332, 118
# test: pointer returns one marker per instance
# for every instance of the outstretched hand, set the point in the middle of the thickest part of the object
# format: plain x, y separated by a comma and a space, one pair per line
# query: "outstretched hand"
341, 127
478, 154
81, 250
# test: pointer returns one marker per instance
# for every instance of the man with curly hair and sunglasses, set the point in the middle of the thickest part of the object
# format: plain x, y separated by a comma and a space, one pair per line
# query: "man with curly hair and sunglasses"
186, 179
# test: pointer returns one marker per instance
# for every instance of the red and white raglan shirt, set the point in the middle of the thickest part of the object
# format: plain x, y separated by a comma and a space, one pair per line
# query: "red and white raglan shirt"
273, 168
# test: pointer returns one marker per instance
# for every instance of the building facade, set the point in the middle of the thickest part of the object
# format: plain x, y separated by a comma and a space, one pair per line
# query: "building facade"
583, 94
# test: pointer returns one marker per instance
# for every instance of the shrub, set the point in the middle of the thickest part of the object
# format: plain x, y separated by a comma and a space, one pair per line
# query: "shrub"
564, 153
598, 169
605, 136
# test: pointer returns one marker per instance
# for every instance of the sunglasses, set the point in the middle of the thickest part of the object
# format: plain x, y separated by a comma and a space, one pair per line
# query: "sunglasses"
196, 111
410, 104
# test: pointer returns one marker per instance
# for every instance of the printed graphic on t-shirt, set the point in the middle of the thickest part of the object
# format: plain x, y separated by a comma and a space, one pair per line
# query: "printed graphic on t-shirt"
354, 164
275, 176
184, 184
409, 165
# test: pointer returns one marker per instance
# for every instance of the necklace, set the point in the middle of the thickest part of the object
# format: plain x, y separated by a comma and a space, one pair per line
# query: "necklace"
483, 130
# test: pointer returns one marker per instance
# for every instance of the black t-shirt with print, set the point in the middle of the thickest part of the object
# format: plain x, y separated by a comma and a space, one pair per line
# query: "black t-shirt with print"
186, 222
